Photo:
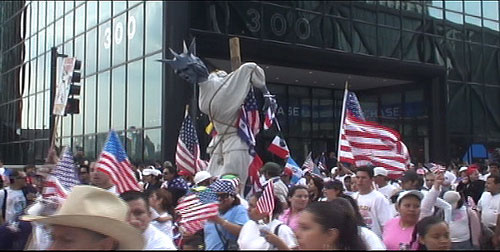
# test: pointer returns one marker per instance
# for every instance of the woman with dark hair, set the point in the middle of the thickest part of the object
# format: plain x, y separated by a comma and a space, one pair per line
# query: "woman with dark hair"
264, 231
370, 239
322, 226
298, 198
333, 189
161, 201
173, 182
222, 231
315, 188
431, 233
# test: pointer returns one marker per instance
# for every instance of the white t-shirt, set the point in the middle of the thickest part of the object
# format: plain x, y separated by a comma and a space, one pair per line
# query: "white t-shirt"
387, 190
251, 239
371, 240
459, 225
157, 240
16, 202
165, 227
375, 210
490, 208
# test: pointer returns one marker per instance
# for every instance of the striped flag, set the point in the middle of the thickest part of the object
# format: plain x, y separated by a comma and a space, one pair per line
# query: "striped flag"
367, 143
62, 178
249, 122
279, 148
113, 161
297, 172
308, 163
435, 168
265, 204
187, 155
268, 120
195, 209
253, 173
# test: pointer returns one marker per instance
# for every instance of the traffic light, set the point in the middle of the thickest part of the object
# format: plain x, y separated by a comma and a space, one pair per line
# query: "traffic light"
73, 104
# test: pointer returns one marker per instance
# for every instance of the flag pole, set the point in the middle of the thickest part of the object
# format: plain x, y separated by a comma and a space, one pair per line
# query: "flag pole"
342, 119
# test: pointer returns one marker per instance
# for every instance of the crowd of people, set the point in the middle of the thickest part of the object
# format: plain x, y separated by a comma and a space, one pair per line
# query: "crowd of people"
344, 207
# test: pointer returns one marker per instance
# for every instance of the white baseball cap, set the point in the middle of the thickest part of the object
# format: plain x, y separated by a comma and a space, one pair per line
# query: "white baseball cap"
201, 176
334, 169
462, 169
380, 171
416, 193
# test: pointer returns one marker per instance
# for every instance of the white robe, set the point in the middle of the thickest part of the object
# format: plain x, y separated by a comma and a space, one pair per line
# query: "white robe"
221, 97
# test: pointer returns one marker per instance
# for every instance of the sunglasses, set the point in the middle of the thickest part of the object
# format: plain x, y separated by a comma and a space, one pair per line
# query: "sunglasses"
222, 195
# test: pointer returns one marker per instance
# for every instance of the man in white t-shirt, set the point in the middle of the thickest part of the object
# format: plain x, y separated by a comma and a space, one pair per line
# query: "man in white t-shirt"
15, 200
139, 216
381, 179
489, 203
374, 207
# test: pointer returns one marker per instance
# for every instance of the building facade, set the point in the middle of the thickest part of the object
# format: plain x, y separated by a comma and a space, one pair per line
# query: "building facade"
428, 69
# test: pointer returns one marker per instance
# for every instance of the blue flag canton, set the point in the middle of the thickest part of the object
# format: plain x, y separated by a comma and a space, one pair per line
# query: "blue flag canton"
207, 196
65, 171
188, 135
251, 101
352, 104
114, 146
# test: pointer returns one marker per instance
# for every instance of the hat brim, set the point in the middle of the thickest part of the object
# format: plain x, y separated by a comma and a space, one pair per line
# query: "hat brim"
129, 238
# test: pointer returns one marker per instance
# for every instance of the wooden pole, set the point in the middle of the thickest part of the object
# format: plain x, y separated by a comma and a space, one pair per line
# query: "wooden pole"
234, 51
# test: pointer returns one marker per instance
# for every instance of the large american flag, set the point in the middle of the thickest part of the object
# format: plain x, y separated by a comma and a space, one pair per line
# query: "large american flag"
249, 121
187, 155
195, 209
62, 178
367, 143
265, 204
113, 161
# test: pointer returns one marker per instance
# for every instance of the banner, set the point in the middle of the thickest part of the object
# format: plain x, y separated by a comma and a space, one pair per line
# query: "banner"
65, 69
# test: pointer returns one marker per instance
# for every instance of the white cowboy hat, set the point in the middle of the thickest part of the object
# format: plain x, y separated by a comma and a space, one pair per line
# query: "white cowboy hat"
97, 210
201, 176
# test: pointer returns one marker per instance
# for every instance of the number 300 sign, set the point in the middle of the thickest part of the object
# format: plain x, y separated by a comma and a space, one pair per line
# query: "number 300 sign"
117, 36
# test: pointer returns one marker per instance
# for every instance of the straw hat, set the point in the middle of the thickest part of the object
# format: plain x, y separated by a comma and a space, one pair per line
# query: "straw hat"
97, 210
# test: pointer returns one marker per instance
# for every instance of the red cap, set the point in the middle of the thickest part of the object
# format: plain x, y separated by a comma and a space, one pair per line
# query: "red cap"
287, 171
183, 173
471, 169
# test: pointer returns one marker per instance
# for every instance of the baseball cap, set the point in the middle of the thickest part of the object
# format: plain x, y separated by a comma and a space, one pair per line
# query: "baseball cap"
462, 169
380, 171
271, 167
201, 176
409, 176
416, 193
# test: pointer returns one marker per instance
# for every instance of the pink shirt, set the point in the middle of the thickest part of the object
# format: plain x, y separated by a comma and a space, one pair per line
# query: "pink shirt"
290, 220
397, 238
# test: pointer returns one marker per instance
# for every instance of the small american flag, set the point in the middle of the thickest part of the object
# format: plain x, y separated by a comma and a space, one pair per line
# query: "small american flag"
367, 143
187, 156
253, 173
268, 120
308, 163
195, 209
113, 161
62, 178
265, 204
249, 121
435, 168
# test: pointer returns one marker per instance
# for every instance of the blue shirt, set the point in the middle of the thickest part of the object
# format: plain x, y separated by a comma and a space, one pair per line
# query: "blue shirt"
237, 215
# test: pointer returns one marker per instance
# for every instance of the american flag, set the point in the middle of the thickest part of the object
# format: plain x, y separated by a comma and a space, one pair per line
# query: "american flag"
195, 209
435, 168
62, 178
187, 156
113, 161
268, 120
308, 163
367, 143
265, 204
249, 121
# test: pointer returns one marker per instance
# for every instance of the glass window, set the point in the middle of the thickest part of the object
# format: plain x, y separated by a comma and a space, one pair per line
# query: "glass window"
50, 36
50, 11
152, 144
80, 51
68, 48
41, 41
134, 95
103, 97
104, 10
78, 118
91, 50
104, 46
41, 14
435, 3
89, 146
473, 7
490, 9
59, 32
118, 99
454, 5
153, 92
34, 17
59, 8
134, 144
322, 113
40, 76
32, 112
119, 6
455, 17
28, 20
135, 32
47, 71
120, 37
493, 25
68, 6
39, 111
436, 13
24, 116
33, 47
46, 115
90, 92
66, 125
154, 26
91, 14
299, 112
68, 26
33, 77
80, 20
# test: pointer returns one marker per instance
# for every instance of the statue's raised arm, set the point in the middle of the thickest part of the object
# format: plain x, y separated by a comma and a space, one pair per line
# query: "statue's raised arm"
221, 97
